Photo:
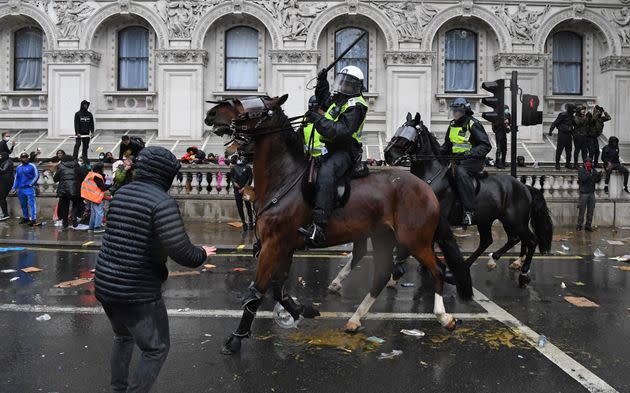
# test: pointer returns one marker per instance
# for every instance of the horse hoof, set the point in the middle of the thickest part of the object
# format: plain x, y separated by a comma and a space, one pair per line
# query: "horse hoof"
516, 265
523, 280
491, 265
232, 345
452, 324
334, 287
352, 327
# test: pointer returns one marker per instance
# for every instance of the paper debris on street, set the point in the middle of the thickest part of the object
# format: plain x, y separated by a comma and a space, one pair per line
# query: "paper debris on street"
31, 269
73, 283
235, 224
183, 273
580, 301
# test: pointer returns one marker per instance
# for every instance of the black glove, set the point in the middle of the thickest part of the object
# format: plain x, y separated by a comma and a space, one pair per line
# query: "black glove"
550, 132
322, 74
312, 117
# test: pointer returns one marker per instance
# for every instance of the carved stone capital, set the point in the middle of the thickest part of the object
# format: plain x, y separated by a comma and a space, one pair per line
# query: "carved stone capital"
182, 56
408, 58
293, 56
513, 60
578, 9
124, 6
614, 63
73, 57
467, 7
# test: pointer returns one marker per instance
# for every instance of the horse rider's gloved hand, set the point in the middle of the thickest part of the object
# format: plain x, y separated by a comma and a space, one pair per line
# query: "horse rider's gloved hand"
313, 117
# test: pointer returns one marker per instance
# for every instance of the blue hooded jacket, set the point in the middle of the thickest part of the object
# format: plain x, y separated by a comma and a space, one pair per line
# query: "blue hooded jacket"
26, 175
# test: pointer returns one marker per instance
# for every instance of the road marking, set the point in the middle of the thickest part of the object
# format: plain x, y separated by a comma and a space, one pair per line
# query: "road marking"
566, 363
528, 152
226, 313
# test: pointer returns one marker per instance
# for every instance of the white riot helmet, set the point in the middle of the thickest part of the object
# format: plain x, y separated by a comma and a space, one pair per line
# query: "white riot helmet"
349, 81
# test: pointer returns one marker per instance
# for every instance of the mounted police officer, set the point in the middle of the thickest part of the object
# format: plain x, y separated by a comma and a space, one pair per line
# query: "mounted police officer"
468, 141
340, 129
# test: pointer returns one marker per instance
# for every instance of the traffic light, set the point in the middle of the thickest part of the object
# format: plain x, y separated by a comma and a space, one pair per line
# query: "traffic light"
496, 102
531, 114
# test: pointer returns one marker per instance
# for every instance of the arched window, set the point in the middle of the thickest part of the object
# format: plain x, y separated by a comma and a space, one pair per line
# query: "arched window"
241, 59
358, 56
460, 62
28, 59
567, 63
133, 58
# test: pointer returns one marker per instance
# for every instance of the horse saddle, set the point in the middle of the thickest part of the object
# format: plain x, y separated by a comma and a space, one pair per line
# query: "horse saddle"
358, 170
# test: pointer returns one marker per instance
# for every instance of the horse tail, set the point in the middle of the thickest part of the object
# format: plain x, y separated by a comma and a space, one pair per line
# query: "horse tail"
540, 220
454, 259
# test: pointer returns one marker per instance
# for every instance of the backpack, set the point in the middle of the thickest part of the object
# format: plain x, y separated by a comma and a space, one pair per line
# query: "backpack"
138, 140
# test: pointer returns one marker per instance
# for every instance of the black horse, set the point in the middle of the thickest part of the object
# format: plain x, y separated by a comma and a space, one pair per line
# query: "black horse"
498, 197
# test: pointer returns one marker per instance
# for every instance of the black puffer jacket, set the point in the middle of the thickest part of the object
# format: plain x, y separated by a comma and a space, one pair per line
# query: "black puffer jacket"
67, 175
144, 226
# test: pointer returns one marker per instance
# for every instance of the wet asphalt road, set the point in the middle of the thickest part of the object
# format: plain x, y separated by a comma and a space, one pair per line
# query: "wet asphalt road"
70, 352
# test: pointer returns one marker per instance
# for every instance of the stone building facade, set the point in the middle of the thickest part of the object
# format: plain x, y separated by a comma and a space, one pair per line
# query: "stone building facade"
150, 65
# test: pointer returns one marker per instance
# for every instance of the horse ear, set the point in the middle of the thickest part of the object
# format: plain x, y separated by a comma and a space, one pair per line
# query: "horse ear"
282, 99
417, 118
408, 117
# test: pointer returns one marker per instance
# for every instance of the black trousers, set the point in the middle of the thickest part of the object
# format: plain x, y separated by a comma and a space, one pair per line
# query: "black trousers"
564, 143
593, 149
333, 166
86, 144
63, 209
239, 206
5, 188
501, 147
619, 168
145, 325
464, 181
581, 144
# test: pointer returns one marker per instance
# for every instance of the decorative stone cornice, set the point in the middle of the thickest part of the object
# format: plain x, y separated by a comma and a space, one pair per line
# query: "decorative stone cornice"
409, 58
614, 63
73, 57
512, 60
293, 56
182, 56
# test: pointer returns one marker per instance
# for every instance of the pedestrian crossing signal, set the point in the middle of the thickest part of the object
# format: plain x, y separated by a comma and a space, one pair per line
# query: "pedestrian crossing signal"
531, 114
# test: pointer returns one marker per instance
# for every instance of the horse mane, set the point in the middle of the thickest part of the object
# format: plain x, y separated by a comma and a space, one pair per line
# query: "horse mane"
293, 139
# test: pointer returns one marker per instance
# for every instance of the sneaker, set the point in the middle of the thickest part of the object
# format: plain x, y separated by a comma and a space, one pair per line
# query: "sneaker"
58, 223
578, 228
4, 217
606, 189
98, 230
588, 228
24, 221
32, 223
315, 236
558, 167
81, 227
625, 189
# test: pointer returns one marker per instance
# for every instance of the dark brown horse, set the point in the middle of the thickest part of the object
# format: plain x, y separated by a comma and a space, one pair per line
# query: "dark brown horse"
388, 207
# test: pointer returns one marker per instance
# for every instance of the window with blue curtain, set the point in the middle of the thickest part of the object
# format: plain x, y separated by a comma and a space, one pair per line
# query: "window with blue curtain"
460, 62
358, 56
27, 59
241, 59
133, 58
567, 63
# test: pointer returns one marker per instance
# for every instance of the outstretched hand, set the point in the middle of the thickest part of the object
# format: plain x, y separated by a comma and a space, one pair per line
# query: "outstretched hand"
210, 250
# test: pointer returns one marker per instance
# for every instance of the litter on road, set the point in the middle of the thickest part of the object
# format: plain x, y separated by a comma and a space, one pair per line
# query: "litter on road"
580, 301
235, 224
43, 317
14, 278
73, 283
375, 340
239, 269
615, 242
6, 249
413, 332
624, 268
598, 253
407, 284
8, 271
31, 269
563, 285
183, 273
622, 258
390, 355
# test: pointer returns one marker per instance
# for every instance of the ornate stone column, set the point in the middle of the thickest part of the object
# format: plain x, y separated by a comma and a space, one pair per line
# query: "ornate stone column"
531, 76
70, 80
291, 71
408, 86
616, 71
180, 93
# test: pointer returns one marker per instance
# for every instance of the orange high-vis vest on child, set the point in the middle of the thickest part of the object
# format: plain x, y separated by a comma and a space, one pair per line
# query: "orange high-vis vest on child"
89, 189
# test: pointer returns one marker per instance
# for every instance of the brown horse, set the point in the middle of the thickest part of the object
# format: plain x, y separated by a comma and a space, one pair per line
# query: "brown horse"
387, 207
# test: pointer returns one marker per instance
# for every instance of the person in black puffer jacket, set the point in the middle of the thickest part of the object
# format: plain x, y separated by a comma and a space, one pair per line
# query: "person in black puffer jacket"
67, 175
144, 227
6, 182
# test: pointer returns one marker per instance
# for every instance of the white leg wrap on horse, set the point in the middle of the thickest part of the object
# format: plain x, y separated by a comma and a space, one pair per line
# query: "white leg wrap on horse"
335, 285
440, 311
392, 283
363, 309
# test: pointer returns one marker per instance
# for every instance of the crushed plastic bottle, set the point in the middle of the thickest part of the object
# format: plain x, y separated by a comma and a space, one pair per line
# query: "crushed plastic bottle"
564, 247
43, 317
542, 340
390, 355
598, 253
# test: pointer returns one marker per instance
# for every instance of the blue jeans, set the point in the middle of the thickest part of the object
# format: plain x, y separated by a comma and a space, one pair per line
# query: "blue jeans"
26, 196
96, 215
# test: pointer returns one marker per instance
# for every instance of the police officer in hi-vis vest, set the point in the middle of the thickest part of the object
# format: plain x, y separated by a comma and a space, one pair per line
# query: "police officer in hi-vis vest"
340, 130
467, 140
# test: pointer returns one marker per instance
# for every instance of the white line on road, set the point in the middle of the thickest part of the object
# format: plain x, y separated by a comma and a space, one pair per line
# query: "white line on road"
226, 313
566, 363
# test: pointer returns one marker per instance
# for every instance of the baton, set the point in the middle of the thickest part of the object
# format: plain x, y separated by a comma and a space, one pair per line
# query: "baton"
345, 52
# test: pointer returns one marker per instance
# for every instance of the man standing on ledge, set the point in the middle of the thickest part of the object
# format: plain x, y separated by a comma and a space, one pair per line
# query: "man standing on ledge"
83, 130
144, 227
